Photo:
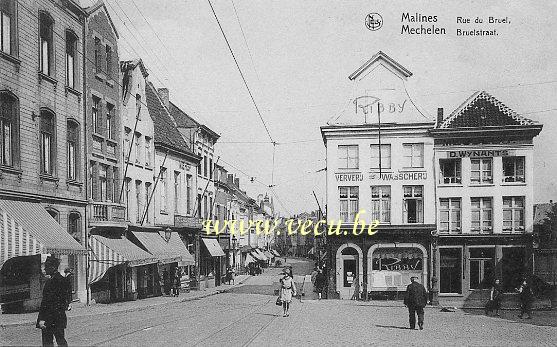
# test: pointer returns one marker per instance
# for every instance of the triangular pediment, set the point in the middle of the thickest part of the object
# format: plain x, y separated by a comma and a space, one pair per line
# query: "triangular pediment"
483, 110
381, 58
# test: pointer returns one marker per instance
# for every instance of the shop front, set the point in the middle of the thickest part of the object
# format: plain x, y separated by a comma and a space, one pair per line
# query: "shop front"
210, 259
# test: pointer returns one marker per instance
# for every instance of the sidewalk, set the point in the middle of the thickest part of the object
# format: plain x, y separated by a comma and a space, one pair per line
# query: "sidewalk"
82, 310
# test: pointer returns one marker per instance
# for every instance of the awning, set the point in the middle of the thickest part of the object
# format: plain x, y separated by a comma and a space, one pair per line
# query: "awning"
268, 254
263, 256
258, 256
26, 228
275, 252
249, 259
165, 251
107, 252
213, 247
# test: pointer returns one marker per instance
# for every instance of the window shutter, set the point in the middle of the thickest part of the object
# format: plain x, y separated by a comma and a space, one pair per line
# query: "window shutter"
95, 181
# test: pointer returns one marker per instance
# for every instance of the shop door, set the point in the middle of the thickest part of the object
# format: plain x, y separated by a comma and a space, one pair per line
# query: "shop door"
450, 274
512, 267
482, 262
350, 272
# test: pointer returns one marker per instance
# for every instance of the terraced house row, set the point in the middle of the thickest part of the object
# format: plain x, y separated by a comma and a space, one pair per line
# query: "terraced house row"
454, 195
99, 167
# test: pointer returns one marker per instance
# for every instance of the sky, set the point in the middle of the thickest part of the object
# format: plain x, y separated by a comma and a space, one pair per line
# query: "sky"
296, 57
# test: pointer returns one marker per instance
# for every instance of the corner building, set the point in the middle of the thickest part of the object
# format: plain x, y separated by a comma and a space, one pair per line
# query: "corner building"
379, 163
484, 160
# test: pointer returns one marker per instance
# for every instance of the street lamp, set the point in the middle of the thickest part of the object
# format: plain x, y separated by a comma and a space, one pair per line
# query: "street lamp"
434, 279
167, 234
234, 250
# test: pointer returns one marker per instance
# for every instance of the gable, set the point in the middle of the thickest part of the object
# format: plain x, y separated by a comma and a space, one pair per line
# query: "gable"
483, 110
100, 11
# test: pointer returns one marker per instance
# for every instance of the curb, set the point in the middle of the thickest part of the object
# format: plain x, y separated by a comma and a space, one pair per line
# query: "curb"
88, 314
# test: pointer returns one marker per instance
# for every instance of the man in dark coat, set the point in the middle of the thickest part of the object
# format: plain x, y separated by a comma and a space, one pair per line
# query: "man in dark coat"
415, 299
52, 318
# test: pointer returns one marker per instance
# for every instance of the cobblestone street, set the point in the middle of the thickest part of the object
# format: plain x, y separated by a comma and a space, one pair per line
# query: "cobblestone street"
240, 318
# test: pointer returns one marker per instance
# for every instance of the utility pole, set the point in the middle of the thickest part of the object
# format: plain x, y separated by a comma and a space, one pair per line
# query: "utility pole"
154, 188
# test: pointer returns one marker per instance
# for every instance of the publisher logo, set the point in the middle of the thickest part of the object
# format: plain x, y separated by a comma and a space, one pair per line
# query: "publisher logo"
374, 21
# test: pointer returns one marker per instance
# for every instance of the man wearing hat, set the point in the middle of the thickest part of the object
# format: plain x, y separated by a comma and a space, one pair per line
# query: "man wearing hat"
52, 318
415, 299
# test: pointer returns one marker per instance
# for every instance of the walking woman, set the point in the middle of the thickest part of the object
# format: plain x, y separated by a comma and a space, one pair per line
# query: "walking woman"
494, 303
288, 289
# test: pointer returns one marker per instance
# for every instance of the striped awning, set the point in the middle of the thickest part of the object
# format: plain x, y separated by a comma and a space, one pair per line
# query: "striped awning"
26, 228
107, 252
258, 255
275, 252
165, 251
268, 254
249, 259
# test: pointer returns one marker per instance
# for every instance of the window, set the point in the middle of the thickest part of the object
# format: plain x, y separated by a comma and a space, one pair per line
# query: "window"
8, 129
147, 151
482, 172
46, 48
176, 190
348, 157
163, 189
482, 266
98, 59
205, 209
210, 208
71, 61
513, 169
138, 106
450, 171
74, 229
95, 115
188, 193
7, 26
108, 61
127, 142
48, 142
513, 213
381, 203
103, 191
127, 197
110, 128
115, 184
210, 168
137, 148
413, 154
413, 204
482, 215
449, 215
385, 156
349, 203
72, 149
147, 199
138, 202
198, 212
450, 274
205, 166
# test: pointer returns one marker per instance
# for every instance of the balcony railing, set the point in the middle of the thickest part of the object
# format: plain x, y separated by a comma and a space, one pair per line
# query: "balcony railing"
107, 212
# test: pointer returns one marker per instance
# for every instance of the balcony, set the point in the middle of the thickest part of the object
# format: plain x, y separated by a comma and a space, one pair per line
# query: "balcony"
107, 214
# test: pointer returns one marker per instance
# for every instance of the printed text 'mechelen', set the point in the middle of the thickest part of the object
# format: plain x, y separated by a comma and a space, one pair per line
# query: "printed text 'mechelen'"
293, 226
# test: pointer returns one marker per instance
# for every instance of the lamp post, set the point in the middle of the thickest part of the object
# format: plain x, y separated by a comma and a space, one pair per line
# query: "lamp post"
234, 251
434, 279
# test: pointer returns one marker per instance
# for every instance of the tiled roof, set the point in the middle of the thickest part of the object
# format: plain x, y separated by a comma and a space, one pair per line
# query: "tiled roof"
165, 127
182, 119
483, 110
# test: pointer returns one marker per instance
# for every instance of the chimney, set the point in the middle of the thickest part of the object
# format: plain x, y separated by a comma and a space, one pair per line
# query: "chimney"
237, 182
439, 115
230, 179
164, 94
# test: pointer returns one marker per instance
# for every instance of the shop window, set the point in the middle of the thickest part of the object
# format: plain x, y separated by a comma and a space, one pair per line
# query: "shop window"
71, 61
385, 156
482, 171
482, 264
7, 27
72, 149
46, 24
450, 171
482, 215
413, 204
9, 120
513, 213
413, 154
449, 215
349, 203
381, 203
48, 142
513, 169
348, 157
450, 274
